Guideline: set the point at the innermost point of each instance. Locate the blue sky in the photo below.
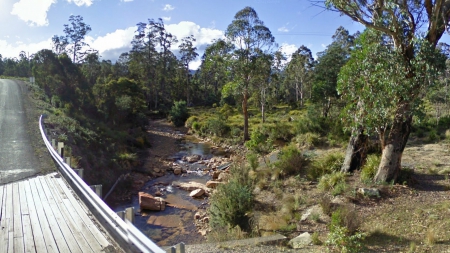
(28, 25)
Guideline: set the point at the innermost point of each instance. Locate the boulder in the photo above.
(309, 214)
(215, 174)
(224, 177)
(177, 171)
(372, 192)
(212, 184)
(301, 241)
(148, 202)
(193, 158)
(197, 193)
(190, 186)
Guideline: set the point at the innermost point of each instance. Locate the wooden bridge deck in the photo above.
(42, 214)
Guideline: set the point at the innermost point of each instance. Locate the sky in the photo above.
(29, 25)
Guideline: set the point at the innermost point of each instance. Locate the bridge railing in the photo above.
(124, 229)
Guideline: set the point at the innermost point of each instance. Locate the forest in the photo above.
(366, 93)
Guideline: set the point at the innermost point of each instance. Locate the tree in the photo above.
(251, 37)
(188, 54)
(326, 70)
(299, 72)
(414, 28)
(74, 39)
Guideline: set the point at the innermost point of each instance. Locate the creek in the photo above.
(174, 225)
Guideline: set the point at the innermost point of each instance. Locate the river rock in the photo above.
(197, 193)
(212, 184)
(193, 158)
(215, 174)
(177, 171)
(190, 186)
(148, 202)
(301, 241)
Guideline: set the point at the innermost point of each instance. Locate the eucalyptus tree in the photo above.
(188, 54)
(73, 42)
(251, 37)
(299, 72)
(414, 29)
(278, 73)
(215, 69)
(262, 80)
(326, 70)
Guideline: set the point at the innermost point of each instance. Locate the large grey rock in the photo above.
(301, 241)
(372, 192)
(197, 193)
(314, 210)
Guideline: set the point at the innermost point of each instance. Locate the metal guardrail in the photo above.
(126, 230)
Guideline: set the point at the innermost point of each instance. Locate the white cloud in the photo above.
(288, 50)
(81, 2)
(203, 36)
(166, 18)
(33, 12)
(13, 50)
(283, 29)
(113, 44)
(168, 7)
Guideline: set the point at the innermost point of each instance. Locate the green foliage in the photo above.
(326, 164)
(344, 235)
(334, 182)
(179, 113)
(259, 143)
(290, 161)
(252, 159)
(370, 168)
(232, 202)
(433, 135)
(307, 140)
(190, 121)
(217, 126)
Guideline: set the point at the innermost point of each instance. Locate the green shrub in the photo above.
(179, 113)
(281, 131)
(217, 127)
(327, 164)
(330, 181)
(252, 159)
(344, 235)
(190, 121)
(259, 143)
(196, 126)
(307, 140)
(229, 205)
(370, 168)
(433, 135)
(226, 110)
(290, 161)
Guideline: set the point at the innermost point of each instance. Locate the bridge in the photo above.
(57, 212)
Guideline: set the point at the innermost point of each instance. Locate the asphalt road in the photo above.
(17, 158)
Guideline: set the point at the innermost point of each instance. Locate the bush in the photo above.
(334, 182)
(231, 202)
(290, 161)
(190, 121)
(344, 235)
(327, 164)
(217, 127)
(370, 168)
(307, 140)
(179, 113)
(433, 135)
(259, 143)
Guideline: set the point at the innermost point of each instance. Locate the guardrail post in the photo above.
(129, 214)
(79, 172)
(180, 247)
(61, 149)
(171, 250)
(97, 189)
(67, 160)
(121, 214)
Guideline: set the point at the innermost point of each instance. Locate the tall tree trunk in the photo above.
(245, 112)
(356, 153)
(394, 145)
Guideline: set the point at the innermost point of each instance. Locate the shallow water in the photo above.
(174, 225)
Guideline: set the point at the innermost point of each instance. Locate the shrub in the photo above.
(433, 135)
(331, 181)
(217, 127)
(252, 159)
(307, 140)
(179, 113)
(259, 143)
(290, 161)
(370, 168)
(230, 204)
(344, 235)
(190, 121)
(327, 164)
